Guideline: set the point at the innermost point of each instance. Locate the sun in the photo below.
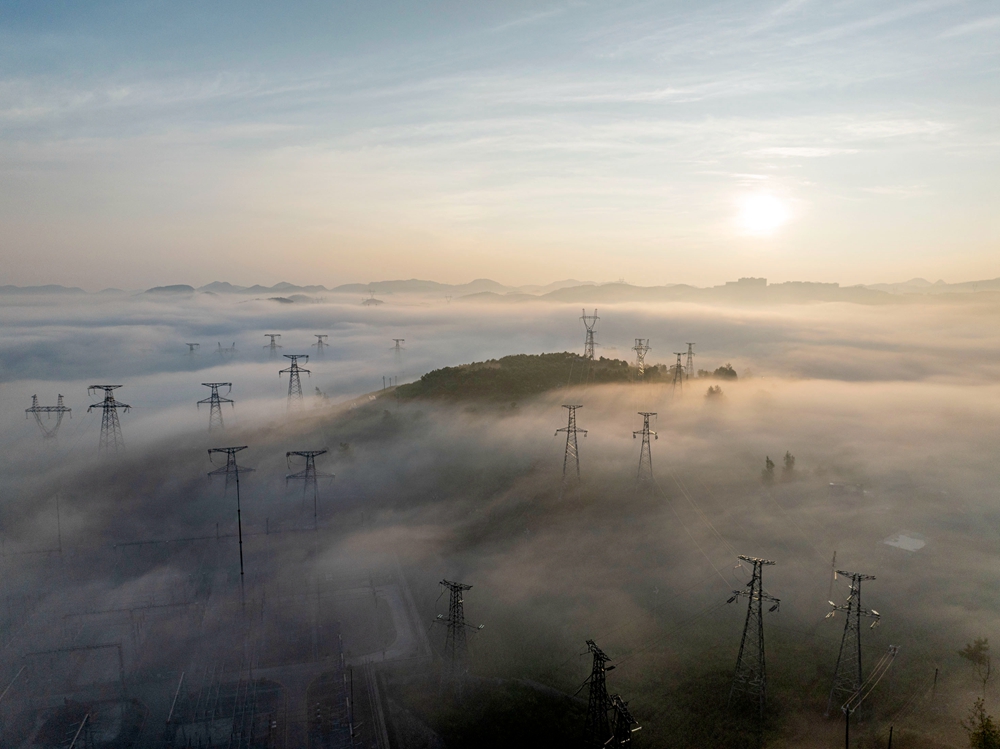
(762, 214)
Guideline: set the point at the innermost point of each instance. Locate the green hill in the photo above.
(521, 375)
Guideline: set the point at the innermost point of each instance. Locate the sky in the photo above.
(148, 143)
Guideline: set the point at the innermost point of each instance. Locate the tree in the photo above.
(725, 373)
(977, 653)
(983, 732)
(714, 391)
(767, 475)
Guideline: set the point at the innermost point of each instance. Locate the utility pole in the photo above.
(751, 674)
(192, 347)
(572, 450)
(215, 402)
(294, 381)
(232, 469)
(321, 343)
(641, 348)
(456, 647)
(273, 346)
(589, 322)
(111, 429)
(621, 723)
(689, 369)
(847, 674)
(597, 730)
(309, 476)
(678, 383)
(645, 474)
(59, 410)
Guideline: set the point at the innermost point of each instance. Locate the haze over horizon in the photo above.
(328, 143)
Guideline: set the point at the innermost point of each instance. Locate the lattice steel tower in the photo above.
(645, 455)
(621, 723)
(589, 322)
(597, 729)
(572, 455)
(689, 368)
(294, 380)
(456, 646)
(751, 675)
(847, 674)
(273, 346)
(111, 430)
(321, 344)
(215, 402)
(641, 348)
(192, 347)
(59, 410)
(678, 382)
(309, 476)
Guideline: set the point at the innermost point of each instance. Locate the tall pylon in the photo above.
(215, 402)
(309, 476)
(847, 674)
(621, 723)
(294, 380)
(589, 322)
(192, 347)
(231, 470)
(689, 368)
(597, 729)
(111, 430)
(678, 382)
(751, 673)
(48, 432)
(398, 352)
(641, 348)
(456, 646)
(571, 457)
(273, 346)
(321, 344)
(227, 352)
(645, 474)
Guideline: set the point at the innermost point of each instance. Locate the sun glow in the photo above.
(762, 215)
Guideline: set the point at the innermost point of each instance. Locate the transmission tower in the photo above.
(273, 346)
(572, 455)
(751, 675)
(294, 380)
(215, 402)
(228, 351)
(678, 374)
(231, 470)
(641, 348)
(847, 674)
(589, 322)
(111, 430)
(597, 729)
(689, 369)
(309, 476)
(645, 455)
(621, 723)
(192, 347)
(59, 410)
(321, 344)
(456, 647)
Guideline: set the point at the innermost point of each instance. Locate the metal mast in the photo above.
(597, 730)
(572, 449)
(59, 410)
(321, 343)
(192, 347)
(589, 322)
(847, 674)
(645, 455)
(456, 647)
(751, 675)
(232, 469)
(111, 430)
(294, 381)
(678, 374)
(689, 369)
(215, 402)
(622, 722)
(641, 348)
(273, 346)
(309, 476)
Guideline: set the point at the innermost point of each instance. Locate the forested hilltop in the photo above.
(521, 375)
